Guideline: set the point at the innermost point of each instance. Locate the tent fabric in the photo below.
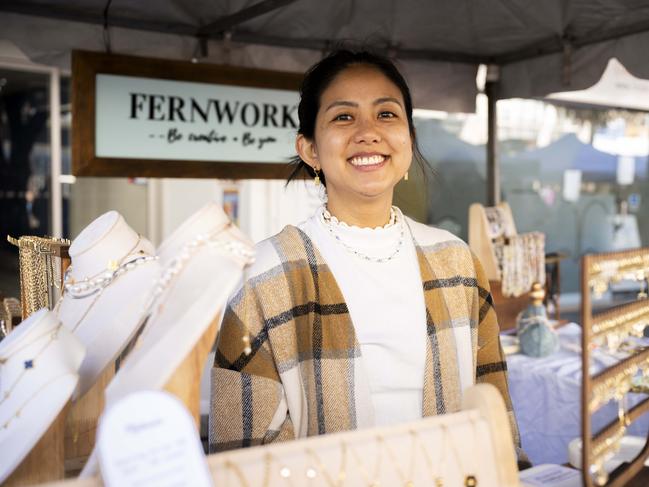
(541, 47)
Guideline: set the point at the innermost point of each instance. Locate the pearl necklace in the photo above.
(189, 249)
(396, 216)
(88, 287)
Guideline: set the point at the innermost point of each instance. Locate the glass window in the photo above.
(24, 166)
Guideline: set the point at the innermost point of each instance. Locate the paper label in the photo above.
(551, 476)
(149, 439)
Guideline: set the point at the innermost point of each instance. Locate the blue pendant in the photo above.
(29, 364)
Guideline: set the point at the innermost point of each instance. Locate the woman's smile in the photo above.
(368, 161)
(362, 139)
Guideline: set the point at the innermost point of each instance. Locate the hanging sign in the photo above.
(156, 118)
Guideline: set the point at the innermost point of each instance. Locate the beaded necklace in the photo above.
(331, 222)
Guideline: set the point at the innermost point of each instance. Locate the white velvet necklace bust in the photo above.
(106, 320)
(39, 363)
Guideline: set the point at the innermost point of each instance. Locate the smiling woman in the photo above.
(358, 316)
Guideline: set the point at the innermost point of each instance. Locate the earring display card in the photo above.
(149, 439)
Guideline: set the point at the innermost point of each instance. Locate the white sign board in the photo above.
(149, 439)
(156, 119)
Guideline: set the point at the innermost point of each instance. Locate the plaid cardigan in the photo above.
(304, 376)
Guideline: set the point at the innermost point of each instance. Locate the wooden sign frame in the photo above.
(86, 65)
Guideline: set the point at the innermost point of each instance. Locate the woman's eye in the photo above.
(344, 117)
(386, 114)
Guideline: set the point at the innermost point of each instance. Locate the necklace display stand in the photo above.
(105, 291)
(188, 391)
(39, 364)
(202, 262)
(81, 423)
(473, 447)
(46, 460)
(487, 227)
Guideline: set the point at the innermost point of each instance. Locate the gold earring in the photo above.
(316, 179)
(405, 176)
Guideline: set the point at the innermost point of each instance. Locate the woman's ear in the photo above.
(306, 149)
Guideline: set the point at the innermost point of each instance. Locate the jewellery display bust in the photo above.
(106, 287)
(201, 263)
(39, 363)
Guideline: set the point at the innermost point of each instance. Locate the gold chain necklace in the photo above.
(29, 363)
(405, 480)
(284, 471)
(470, 479)
(230, 465)
(372, 481)
(17, 413)
(342, 473)
(437, 479)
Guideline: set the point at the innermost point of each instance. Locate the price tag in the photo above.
(149, 439)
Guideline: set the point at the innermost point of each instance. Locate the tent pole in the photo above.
(493, 173)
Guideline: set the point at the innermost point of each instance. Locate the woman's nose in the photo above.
(367, 131)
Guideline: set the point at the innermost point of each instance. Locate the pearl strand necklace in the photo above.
(178, 263)
(396, 216)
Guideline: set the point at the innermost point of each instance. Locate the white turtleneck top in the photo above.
(386, 306)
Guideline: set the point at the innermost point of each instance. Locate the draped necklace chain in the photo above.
(396, 218)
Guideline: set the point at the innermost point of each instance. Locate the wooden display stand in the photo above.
(185, 381)
(44, 463)
(612, 383)
(81, 423)
(482, 243)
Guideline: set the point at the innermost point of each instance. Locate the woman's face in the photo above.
(362, 140)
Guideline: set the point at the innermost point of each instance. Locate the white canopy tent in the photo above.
(532, 48)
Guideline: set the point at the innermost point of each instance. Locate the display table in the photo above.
(546, 395)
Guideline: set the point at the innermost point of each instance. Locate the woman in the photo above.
(359, 316)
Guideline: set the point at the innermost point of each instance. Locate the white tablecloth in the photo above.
(546, 394)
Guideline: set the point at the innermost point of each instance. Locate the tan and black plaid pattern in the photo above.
(298, 320)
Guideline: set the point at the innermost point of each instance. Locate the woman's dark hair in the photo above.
(319, 77)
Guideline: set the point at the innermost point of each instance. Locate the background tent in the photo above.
(540, 47)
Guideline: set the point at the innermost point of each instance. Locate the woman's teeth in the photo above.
(367, 161)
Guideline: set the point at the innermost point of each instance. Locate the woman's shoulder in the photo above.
(451, 255)
(430, 236)
(268, 255)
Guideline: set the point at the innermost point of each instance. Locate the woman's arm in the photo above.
(491, 366)
(247, 405)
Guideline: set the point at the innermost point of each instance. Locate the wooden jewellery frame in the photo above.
(611, 327)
